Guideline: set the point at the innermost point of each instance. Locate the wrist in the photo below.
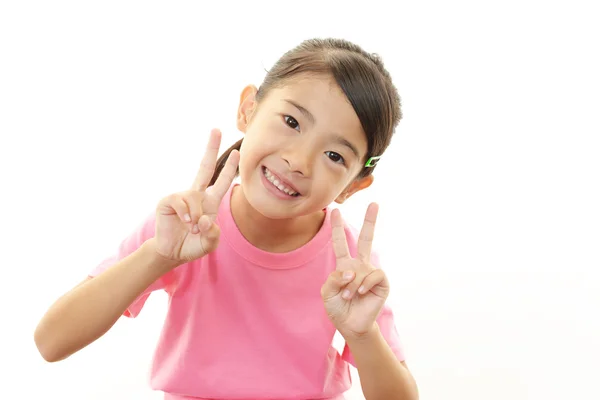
(372, 333)
(155, 260)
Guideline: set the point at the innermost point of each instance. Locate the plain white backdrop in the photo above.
(489, 225)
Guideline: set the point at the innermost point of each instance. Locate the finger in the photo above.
(365, 238)
(338, 236)
(227, 175)
(193, 199)
(176, 203)
(335, 283)
(204, 224)
(209, 161)
(210, 238)
(352, 288)
(375, 282)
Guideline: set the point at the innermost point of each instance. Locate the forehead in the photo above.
(324, 99)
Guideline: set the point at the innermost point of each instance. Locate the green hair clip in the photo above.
(371, 162)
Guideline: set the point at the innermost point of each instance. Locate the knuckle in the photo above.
(172, 198)
(352, 286)
(193, 200)
(180, 199)
(187, 195)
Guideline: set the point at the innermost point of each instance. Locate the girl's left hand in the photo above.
(355, 293)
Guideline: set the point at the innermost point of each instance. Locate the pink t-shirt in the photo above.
(243, 323)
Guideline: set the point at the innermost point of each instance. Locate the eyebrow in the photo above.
(303, 110)
(339, 139)
(344, 142)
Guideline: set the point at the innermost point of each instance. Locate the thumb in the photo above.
(210, 235)
(204, 224)
(336, 281)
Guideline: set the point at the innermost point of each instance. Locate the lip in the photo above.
(280, 179)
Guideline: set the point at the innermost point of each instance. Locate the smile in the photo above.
(279, 185)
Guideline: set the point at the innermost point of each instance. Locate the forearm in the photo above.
(89, 310)
(382, 375)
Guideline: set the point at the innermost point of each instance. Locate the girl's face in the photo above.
(303, 147)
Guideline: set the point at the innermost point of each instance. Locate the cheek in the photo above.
(247, 161)
(267, 135)
(332, 177)
(252, 155)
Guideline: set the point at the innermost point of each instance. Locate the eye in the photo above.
(291, 122)
(335, 157)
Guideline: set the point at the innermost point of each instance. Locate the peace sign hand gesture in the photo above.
(185, 221)
(355, 293)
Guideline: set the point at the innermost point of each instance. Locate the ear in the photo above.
(356, 186)
(246, 107)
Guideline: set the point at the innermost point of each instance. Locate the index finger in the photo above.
(227, 175)
(338, 235)
(365, 238)
(209, 161)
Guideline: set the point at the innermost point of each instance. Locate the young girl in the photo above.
(261, 274)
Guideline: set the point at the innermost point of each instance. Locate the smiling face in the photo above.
(303, 148)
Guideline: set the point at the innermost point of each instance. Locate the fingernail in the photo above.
(187, 218)
(361, 289)
(348, 275)
(346, 294)
(195, 229)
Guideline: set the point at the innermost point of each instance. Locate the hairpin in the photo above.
(371, 162)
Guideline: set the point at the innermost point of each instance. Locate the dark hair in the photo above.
(360, 75)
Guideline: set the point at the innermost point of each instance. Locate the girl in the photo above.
(261, 274)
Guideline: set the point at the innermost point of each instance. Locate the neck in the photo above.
(273, 235)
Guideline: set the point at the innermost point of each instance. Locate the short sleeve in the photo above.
(131, 243)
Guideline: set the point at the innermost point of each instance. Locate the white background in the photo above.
(489, 194)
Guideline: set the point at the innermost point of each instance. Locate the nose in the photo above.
(299, 159)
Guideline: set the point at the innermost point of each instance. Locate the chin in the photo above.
(270, 210)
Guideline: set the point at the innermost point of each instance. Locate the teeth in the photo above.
(278, 184)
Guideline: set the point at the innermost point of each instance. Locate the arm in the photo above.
(89, 310)
(382, 375)
(181, 230)
(354, 296)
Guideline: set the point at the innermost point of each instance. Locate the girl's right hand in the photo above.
(185, 221)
